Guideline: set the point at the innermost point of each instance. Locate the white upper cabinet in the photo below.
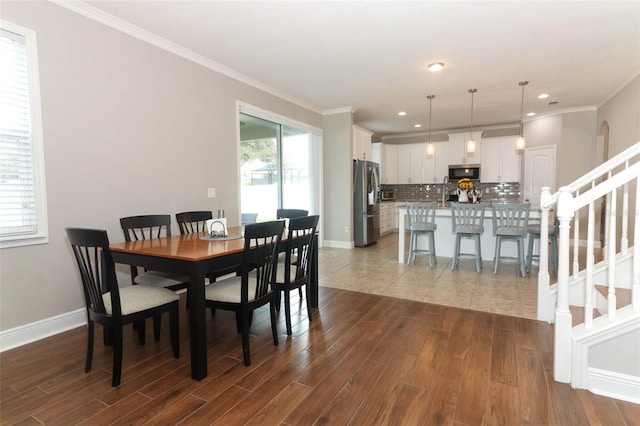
(410, 157)
(500, 160)
(435, 167)
(390, 164)
(361, 140)
(458, 148)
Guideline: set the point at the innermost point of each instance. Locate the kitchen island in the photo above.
(445, 239)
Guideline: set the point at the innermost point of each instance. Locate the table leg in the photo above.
(313, 289)
(198, 324)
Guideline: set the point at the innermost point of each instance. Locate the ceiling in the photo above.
(372, 56)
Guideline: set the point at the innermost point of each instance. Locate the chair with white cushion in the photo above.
(144, 227)
(113, 307)
(295, 270)
(253, 288)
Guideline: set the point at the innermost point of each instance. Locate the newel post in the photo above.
(562, 353)
(545, 302)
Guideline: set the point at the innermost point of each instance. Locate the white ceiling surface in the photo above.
(372, 56)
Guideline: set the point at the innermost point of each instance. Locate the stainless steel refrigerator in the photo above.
(366, 202)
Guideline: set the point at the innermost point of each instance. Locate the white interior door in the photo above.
(539, 171)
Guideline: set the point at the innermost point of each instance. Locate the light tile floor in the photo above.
(375, 269)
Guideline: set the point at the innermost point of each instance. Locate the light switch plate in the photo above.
(211, 192)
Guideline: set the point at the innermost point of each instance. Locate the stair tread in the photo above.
(577, 314)
(623, 295)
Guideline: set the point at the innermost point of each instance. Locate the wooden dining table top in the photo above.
(190, 247)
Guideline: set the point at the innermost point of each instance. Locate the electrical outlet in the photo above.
(346, 229)
(211, 193)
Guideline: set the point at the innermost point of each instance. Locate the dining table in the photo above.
(197, 255)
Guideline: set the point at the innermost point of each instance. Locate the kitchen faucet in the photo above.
(445, 188)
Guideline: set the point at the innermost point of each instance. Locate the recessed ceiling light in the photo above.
(543, 96)
(401, 113)
(531, 114)
(417, 125)
(436, 66)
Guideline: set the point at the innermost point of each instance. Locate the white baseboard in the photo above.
(28, 333)
(614, 385)
(338, 244)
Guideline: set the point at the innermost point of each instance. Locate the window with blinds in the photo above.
(22, 199)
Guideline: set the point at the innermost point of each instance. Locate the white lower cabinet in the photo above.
(387, 217)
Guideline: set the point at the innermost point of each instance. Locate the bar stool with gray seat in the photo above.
(510, 221)
(467, 222)
(533, 232)
(422, 221)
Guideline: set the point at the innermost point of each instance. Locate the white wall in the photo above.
(128, 129)
(338, 178)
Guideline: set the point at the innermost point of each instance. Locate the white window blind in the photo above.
(22, 207)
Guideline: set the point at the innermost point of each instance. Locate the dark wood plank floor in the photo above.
(364, 360)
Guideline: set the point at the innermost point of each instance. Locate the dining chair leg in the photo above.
(157, 321)
(141, 327)
(246, 354)
(117, 355)
(174, 329)
(274, 329)
(287, 311)
(90, 335)
(306, 289)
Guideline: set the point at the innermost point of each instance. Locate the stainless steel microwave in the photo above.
(461, 171)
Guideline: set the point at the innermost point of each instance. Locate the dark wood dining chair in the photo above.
(294, 272)
(193, 222)
(144, 227)
(253, 288)
(114, 307)
(291, 213)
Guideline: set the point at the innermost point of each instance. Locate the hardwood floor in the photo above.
(365, 359)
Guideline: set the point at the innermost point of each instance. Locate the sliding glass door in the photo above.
(276, 168)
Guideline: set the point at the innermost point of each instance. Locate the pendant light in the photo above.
(471, 144)
(520, 143)
(430, 148)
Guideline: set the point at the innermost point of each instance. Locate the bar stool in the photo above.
(422, 218)
(510, 221)
(467, 222)
(533, 232)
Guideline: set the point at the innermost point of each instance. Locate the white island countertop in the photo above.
(444, 237)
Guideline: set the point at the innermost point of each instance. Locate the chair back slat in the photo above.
(466, 216)
(510, 218)
(259, 257)
(421, 215)
(97, 271)
(300, 242)
(193, 222)
(147, 226)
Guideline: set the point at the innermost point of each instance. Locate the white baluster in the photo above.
(611, 278)
(624, 239)
(588, 286)
(576, 241)
(635, 290)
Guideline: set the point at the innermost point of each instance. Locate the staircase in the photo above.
(595, 305)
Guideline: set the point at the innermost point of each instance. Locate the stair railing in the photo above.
(576, 203)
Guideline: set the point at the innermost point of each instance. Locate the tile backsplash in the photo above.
(508, 191)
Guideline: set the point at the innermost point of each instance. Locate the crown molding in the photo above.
(338, 111)
(95, 14)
